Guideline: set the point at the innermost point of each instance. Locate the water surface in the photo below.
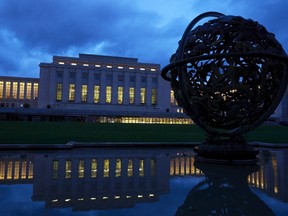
(136, 181)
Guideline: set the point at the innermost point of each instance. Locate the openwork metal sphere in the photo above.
(229, 74)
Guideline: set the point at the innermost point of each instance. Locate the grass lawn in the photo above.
(62, 132)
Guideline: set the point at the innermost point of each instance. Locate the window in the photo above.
(108, 94)
(130, 168)
(118, 168)
(1, 89)
(172, 98)
(143, 95)
(7, 90)
(154, 96)
(81, 169)
(84, 93)
(68, 168)
(21, 90)
(120, 95)
(141, 167)
(16, 169)
(71, 93)
(23, 170)
(35, 90)
(28, 90)
(14, 90)
(106, 168)
(58, 91)
(96, 94)
(93, 168)
(55, 168)
(131, 95)
(2, 170)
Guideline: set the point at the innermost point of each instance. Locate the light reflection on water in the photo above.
(139, 182)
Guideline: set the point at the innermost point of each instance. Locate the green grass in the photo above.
(63, 132)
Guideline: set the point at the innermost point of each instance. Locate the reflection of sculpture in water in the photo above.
(229, 75)
(224, 192)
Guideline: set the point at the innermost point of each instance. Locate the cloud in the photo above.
(32, 31)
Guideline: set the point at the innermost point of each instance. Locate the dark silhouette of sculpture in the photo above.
(225, 191)
(229, 75)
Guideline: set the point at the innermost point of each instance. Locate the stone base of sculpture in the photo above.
(226, 151)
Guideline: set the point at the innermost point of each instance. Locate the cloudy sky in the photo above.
(32, 31)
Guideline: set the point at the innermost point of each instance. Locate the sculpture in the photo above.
(229, 75)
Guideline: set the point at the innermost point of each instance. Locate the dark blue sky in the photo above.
(32, 31)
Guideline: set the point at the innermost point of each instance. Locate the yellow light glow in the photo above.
(142, 69)
(120, 67)
(55, 200)
(73, 63)
(93, 198)
(151, 195)
(61, 63)
(80, 199)
(117, 197)
(131, 68)
(109, 66)
(67, 200)
(140, 196)
(153, 69)
(128, 197)
(97, 65)
(85, 65)
(105, 198)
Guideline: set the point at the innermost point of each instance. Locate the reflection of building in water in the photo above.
(16, 169)
(272, 176)
(182, 165)
(103, 178)
(100, 180)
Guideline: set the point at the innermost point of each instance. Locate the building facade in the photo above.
(95, 88)
(108, 89)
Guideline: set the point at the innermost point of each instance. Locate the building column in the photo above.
(78, 86)
(137, 88)
(102, 87)
(115, 88)
(65, 86)
(126, 88)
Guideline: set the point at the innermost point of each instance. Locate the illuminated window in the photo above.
(120, 67)
(141, 167)
(84, 93)
(106, 168)
(23, 170)
(85, 65)
(1, 89)
(9, 170)
(108, 94)
(73, 63)
(30, 170)
(21, 90)
(130, 168)
(97, 65)
(35, 90)
(2, 170)
(109, 66)
(153, 69)
(120, 95)
(118, 168)
(59, 92)
(71, 92)
(14, 90)
(172, 98)
(131, 95)
(275, 174)
(93, 168)
(28, 90)
(55, 168)
(61, 63)
(68, 168)
(81, 169)
(96, 94)
(172, 169)
(142, 69)
(7, 90)
(143, 95)
(152, 167)
(131, 68)
(154, 96)
(16, 169)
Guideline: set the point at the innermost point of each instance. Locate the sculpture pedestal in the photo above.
(228, 151)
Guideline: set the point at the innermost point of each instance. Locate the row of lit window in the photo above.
(106, 168)
(147, 120)
(18, 90)
(139, 196)
(183, 166)
(257, 179)
(16, 170)
(108, 94)
(107, 66)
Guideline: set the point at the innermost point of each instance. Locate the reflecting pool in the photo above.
(110, 181)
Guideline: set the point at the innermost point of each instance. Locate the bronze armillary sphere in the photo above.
(228, 74)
